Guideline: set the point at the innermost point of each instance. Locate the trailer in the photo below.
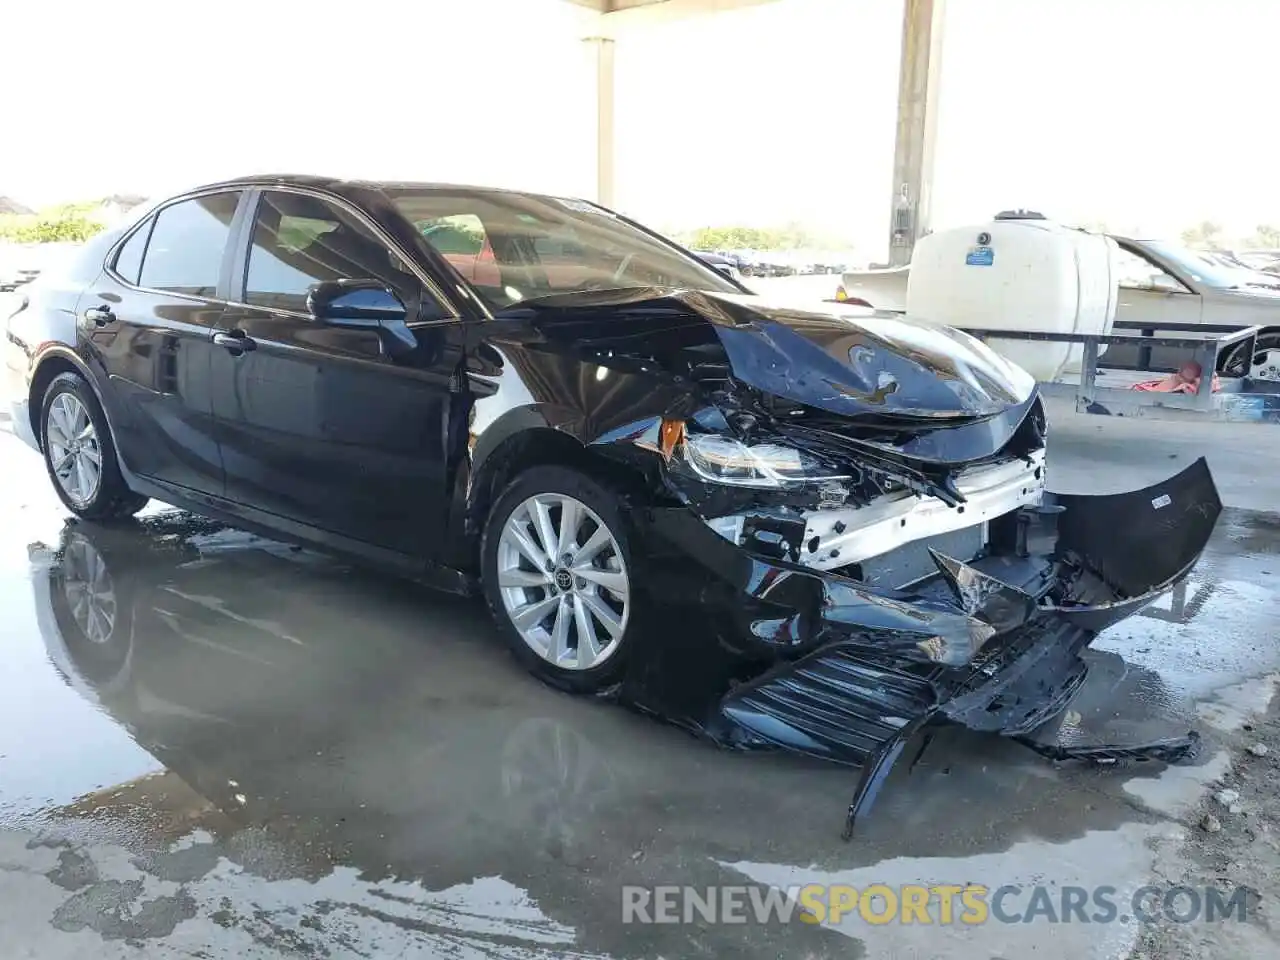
(994, 280)
(1108, 389)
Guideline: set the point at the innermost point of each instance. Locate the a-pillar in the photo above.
(918, 88)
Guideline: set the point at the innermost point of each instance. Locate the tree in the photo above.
(1266, 237)
(1205, 235)
(790, 236)
(67, 223)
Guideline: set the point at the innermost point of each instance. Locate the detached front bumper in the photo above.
(993, 643)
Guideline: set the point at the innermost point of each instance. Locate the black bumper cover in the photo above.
(993, 644)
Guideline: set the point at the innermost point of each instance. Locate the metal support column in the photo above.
(918, 88)
(602, 52)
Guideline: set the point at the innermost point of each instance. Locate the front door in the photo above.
(334, 428)
(148, 320)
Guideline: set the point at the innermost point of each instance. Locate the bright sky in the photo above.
(1140, 113)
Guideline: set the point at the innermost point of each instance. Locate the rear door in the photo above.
(328, 426)
(147, 320)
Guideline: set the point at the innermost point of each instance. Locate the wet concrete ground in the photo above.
(245, 750)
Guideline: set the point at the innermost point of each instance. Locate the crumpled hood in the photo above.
(843, 360)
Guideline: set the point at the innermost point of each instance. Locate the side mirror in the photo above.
(354, 303)
(362, 305)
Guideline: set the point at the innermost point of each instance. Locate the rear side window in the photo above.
(187, 243)
(129, 257)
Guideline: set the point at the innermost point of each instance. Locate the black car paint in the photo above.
(403, 451)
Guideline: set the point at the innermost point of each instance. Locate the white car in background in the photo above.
(1160, 282)
(1163, 282)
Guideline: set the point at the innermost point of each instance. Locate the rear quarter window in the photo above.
(128, 259)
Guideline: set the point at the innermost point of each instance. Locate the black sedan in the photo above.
(538, 399)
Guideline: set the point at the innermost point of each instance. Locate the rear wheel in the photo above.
(557, 575)
(79, 453)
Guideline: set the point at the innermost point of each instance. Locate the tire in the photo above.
(109, 498)
(92, 609)
(569, 592)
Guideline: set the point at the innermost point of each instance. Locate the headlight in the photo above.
(721, 459)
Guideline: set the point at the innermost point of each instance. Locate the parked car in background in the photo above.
(769, 263)
(801, 262)
(1160, 282)
(827, 262)
(723, 263)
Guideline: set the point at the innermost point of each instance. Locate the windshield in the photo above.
(1202, 267)
(512, 247)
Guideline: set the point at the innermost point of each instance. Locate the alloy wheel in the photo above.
(563, 581)
(75, 452)
(89, 591)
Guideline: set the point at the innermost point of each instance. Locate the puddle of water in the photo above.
(350, 679)
(234, 912)
(1214, 630)
(1117, 858)
(56, 744)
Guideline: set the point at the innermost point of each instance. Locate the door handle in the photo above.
(237, 341)
(99, 316)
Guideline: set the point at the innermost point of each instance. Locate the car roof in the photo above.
(344, 187)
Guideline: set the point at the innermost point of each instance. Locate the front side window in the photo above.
(515, 247)
(1138, 273)
(188, 240)
(299, 240)
(463, 242)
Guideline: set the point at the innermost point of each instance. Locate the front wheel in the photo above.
(557, 574)
(79, 453)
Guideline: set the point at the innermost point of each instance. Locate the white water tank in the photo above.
(1018, 272)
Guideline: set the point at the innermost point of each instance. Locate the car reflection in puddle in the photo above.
(265, 675)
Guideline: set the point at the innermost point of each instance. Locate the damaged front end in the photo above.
(847, 530)
(880, 594)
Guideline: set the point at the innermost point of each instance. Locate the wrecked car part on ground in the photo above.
(991, 640)
(776, 525)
